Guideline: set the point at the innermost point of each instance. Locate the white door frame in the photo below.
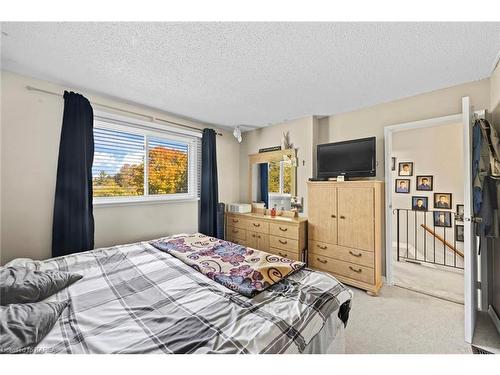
(388, 131)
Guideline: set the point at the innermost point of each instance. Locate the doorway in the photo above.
(420, 231)
(471, 274)
(427, 180)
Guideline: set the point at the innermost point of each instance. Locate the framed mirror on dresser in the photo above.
(272, 179)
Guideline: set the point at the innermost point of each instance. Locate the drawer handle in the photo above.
(282, 254)
(235, 231)
(256, 224)
(322, 247)
(284, 242)
(253, 235)
(355, 255)
(235, 220)
(357, 271)
(334, 216)
(258, 236)
(283, 229)
(342, 217)
(322, 261)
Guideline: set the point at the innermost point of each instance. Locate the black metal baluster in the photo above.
(415, 242)
(434, 236)
(397, 220)
(454, 243)
(425, 236)
(444, 245)
(406, 234)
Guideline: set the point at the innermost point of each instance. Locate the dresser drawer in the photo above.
(363, 258)
(335, 266)
(321, 248)
(259, 241)
(237, 222)
(283, 243)
(237, 233)
(285, 254)
(284, 230)
(257, 226)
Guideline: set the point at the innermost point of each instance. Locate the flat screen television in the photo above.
(354, 158)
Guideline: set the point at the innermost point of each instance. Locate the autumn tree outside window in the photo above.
(140, 163)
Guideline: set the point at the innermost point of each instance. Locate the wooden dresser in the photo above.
(282, 236)
(346, 231)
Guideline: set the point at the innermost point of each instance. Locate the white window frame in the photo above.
(148, 129)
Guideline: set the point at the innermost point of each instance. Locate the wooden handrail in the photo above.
(453, 248)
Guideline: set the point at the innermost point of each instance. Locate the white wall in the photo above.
(434, 151)
(30, 131)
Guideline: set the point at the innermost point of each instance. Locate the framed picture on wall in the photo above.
(405, 168)
(442, 200)
(424, 183)
(419, 203)
(393, 163)
(459, 233)
(442, 219)
(459, 215)
(402, 185)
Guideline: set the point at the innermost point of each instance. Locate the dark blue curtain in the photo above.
(209, 184)
(73, 223)
(264, 183)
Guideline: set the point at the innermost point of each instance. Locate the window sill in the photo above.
(114, 202)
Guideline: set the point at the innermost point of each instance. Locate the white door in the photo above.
(470, 252)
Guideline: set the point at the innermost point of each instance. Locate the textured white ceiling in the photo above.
(253, 73)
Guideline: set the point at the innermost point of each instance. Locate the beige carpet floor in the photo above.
(435, 281)
(438, 281)
(403, 321)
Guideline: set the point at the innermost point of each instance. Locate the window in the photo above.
(137, 161)
(280, 177)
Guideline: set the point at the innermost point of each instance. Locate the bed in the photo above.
(135, 298)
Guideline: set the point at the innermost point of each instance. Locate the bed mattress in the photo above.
(136, 299)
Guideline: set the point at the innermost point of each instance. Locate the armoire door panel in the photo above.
(322, 216)
(356, 217)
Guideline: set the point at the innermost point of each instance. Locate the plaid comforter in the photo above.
(137, 299)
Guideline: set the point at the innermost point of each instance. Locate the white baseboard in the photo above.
(494, 318)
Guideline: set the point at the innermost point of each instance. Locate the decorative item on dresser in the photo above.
(284, 236)
(346, 231)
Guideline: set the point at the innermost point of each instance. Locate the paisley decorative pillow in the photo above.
(243, 269)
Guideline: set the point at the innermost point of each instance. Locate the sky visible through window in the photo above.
(118, 168)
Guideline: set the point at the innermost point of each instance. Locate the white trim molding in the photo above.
(132, 201)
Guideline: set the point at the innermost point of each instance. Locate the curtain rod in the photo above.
(152, 118)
